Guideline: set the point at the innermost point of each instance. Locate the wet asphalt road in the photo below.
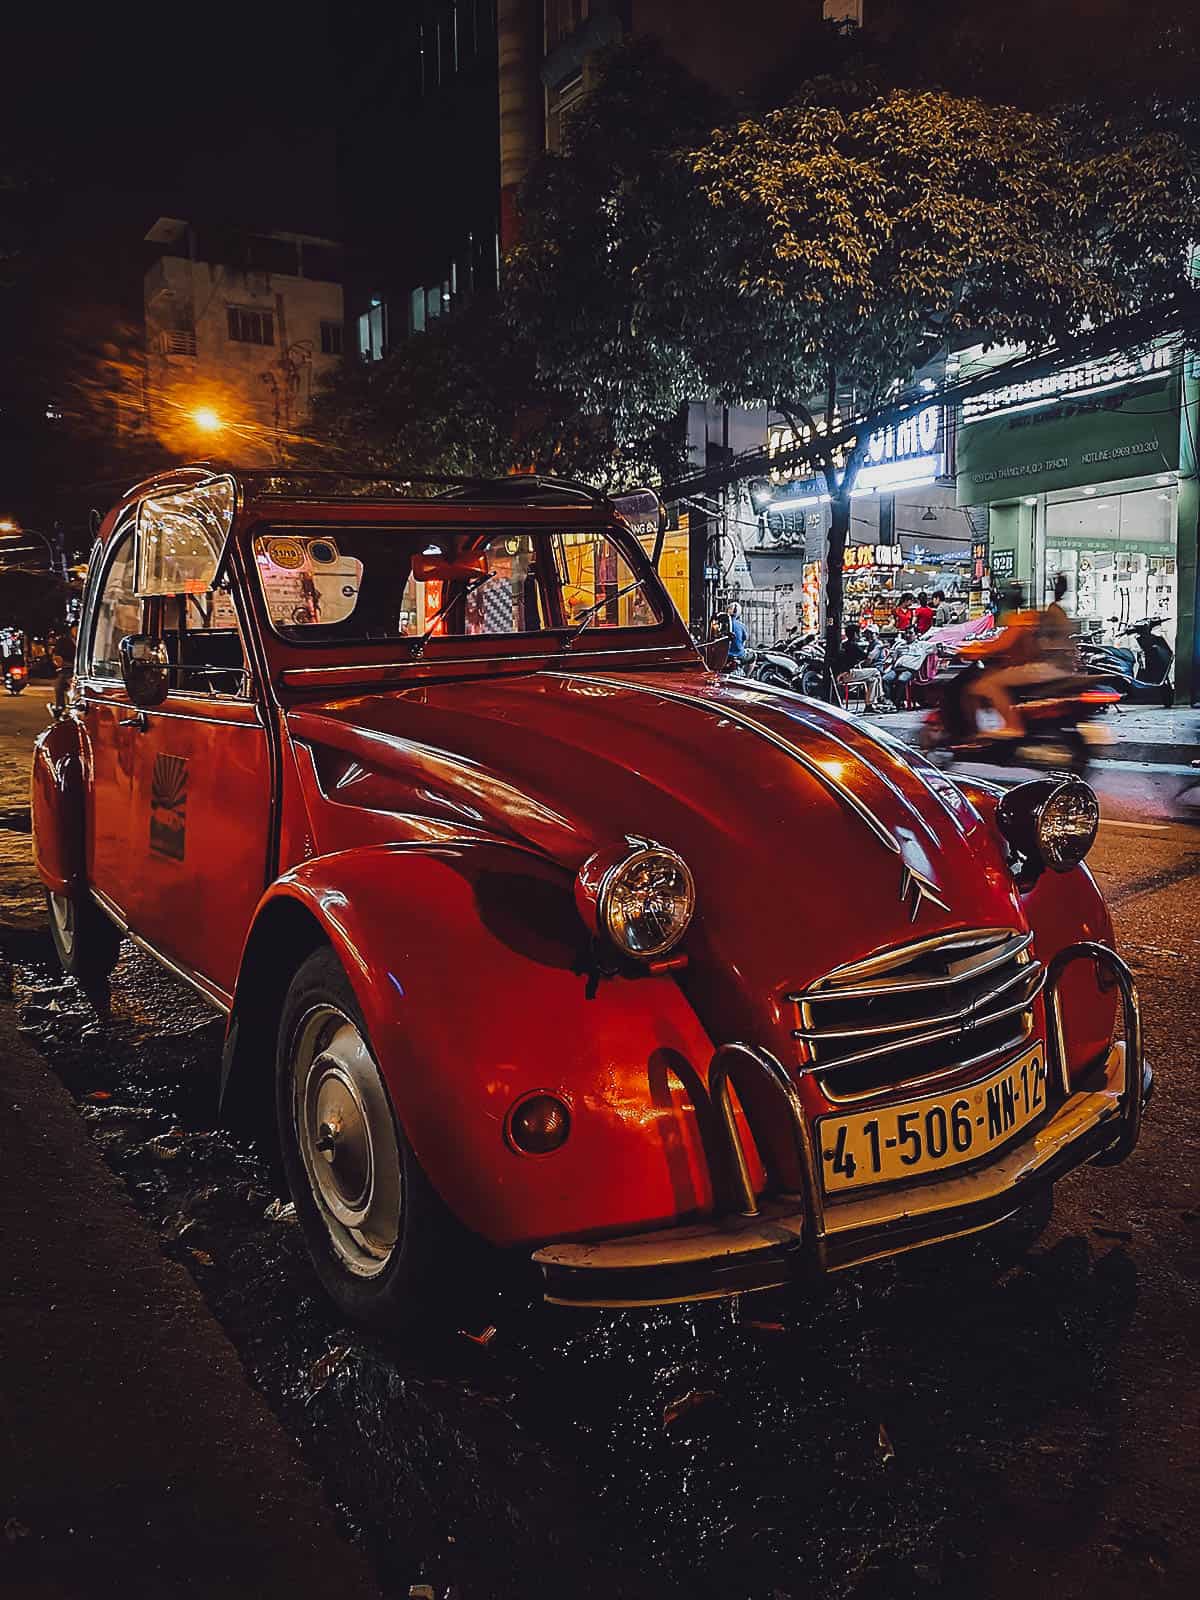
(1017, 1427)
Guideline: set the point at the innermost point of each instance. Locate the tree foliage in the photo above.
(556, 375)
(465, 397)
(844, 245)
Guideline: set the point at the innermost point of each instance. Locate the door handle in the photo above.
(139, 720)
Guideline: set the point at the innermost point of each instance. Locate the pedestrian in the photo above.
(62, 650)
(908, 657)
(1057, 636)
(943, 611)
(856, 665)
(738, 637)
(923, 613)
(903, 614)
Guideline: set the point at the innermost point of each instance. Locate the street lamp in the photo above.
(13, 530)
(207, 420)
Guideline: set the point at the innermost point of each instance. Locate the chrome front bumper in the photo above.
(773, 1240)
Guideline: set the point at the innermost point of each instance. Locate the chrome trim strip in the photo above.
(536, 663)
(976, 1008)
(995, 955)
(721, 709)
(892, 1046)
(924, 1080)
(210, 992)
(183, 716)
(753, 685)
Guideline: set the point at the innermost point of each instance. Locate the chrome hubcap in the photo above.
(62, 911)
(347, 1139)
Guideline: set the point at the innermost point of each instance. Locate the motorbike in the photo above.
(797, 664)
(16, 676)
(1142, 675)
(1058, 714)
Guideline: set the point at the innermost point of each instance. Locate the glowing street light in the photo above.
(207, 420)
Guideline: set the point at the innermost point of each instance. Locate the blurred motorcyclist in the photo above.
(1013, 656)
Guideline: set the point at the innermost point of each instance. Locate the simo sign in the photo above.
(1093, 378)
(912, 452)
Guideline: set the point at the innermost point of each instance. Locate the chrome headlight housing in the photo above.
(1052, 821)
(640, 896)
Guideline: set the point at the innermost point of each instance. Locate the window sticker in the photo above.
(308, 582)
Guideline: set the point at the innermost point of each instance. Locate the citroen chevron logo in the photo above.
(915, 888)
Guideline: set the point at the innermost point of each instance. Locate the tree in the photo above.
(466, 397)
(840, 245)
(593, 221)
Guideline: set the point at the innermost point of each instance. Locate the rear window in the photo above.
(363, 584)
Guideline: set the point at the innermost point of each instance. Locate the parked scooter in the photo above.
(16, 676)
(1143, 677)
(797, 664)
(1058, 716)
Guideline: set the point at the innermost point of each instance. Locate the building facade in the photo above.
(418, 164)
(240, 328)
(1091, 473)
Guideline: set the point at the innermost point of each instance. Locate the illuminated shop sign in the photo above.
(1092, 378)
(901, 457)
(872, 555)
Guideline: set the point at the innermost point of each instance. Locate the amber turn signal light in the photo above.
(538, 1125)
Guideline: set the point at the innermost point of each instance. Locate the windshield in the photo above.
(351, 585)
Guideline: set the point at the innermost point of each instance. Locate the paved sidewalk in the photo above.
(1140, 733)
(135, 1457)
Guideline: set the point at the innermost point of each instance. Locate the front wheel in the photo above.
(378, 1235)
(86, 942)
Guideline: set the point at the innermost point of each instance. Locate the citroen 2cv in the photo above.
(532, 930)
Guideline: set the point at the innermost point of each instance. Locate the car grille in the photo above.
(909, 1016)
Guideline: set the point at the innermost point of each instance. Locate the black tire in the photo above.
(87, 944)
(812, 682)
(411, 1284)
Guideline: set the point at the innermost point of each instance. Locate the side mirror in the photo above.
(716, 652)
(146, 669)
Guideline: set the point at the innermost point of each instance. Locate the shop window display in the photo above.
(1117, 551)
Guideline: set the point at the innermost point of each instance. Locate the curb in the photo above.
(139, 1458)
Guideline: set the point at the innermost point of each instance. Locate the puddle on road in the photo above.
(874, 1443)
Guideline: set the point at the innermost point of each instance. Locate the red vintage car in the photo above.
(533, 930)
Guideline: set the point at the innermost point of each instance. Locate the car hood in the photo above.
(813, 838)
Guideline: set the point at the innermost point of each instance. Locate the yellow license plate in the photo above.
(934, 1133)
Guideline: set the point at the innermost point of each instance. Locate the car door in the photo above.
(200, 817)
(109, 723)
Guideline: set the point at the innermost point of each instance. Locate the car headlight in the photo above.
(1052, 820)
(640, 896)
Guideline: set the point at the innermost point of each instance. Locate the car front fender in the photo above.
(56, 806)
(1065, 908)
(471, 967)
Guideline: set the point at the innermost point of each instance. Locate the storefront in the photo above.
(1080, 473)
(908, 535)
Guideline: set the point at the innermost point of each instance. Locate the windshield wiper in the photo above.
(470, 588)
(609, 599)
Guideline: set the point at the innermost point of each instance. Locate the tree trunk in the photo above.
(839, 529)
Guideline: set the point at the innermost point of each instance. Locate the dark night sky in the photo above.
(220, 109)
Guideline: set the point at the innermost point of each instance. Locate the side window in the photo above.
(118, 612)
(204, 642)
